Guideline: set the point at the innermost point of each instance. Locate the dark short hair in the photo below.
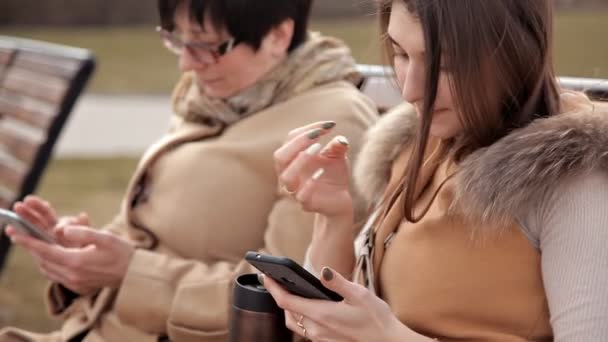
(249, 21)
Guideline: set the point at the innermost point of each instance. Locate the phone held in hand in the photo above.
(293, 277)
(23, 226)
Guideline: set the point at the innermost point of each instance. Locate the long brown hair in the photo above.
(499, 55)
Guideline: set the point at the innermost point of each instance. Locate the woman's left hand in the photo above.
(362, 316)
(98, 259)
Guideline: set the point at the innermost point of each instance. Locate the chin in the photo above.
(444, 131)
(217, 92)
(445, 125)
(440, 133)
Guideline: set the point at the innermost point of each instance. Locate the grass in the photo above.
(581, 48)
(131, 60)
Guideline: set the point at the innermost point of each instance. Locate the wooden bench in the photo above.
(39, 84)
(380, 85)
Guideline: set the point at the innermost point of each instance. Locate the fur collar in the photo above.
(505, 179)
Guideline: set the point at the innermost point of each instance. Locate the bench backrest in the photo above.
(380, 85)
(39, 84)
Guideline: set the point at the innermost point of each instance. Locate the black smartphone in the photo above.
(22, 225)
(293, 277)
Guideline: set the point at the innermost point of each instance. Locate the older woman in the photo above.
(207, 191)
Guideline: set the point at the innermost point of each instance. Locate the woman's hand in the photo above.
(96, 259)
(316, 176)
(40, 213)
(362, 316)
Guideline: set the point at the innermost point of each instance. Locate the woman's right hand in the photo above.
(316, 176)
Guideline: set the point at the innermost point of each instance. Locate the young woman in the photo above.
(488, 191)
(207, 192)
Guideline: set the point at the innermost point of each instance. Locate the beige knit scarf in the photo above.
(318, 61)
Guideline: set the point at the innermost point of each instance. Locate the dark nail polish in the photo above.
(329, 125)
(327, 273)
(314, 134)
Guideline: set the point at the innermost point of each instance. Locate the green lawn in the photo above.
(132, 59)
(581, 48)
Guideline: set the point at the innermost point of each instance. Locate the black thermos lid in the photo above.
(250, 295)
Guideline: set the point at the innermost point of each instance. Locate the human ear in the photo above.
(278, 40)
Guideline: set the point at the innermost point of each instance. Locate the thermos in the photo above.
(255, 316)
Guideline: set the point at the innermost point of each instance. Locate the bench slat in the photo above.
(18, 145)
(12, 175)
(5, 56)
(6, 197)
(13, 106)
(45, 64)
(43, 87)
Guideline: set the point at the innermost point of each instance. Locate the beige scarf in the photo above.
(318, 61)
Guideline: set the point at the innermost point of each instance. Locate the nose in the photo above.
(188, 62)
(413, 84)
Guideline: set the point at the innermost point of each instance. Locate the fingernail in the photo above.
(261, 278)
(314, 134)
(313, 149)
(329, 125)
(342, 140)
(318, 174)
(327, 273)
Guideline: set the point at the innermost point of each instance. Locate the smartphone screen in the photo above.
(293, 277)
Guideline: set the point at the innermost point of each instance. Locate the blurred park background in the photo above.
(127, 105)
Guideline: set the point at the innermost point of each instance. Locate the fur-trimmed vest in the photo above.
(466, 271)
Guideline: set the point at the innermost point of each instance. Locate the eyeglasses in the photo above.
(203, 52)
